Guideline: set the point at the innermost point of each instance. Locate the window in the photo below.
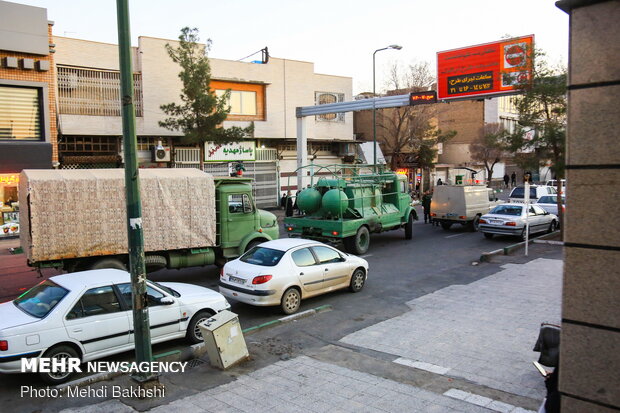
(241, 102)
(96, 301)
(513, 210)
(303, 257)
(323, 98)
(327, 255)
(40, 299)
(20, 113)
(538, 210)
(153, 296)
(262, 256)
(239, 203)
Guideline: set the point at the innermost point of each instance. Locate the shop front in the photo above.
(9, 205)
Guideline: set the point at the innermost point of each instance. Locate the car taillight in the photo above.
(4, 345)
(511, 224)
(289, 228)
(433, 214)
(261, 279)
(222, 272)
(462, 217)
(482, 221)
(334, 232)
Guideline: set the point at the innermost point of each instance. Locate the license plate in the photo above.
(236, 279)
(495, 222)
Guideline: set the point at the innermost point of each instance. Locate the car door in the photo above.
(307, 269)
(335, 270)
(164, 319)
(98, 321)
(542, 218)
(240, 217)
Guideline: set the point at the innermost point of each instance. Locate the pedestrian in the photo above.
(439, 182)
(283, 201)
(506, 180)
(426, 205)
(513, 179)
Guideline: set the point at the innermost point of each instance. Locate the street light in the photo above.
(374, 109)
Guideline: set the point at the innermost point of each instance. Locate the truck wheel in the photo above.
(446, 225)
(409, 228)
(58, 352)
(359, 243)
(108, 263)
(473, 226)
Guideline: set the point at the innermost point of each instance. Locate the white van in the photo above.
(554, 183)
(517, 194)
(461, 204)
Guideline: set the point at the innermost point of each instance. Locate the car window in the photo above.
(538, 210)
(514, 210)
(96, 301)
(153, 296)
(546, 199)
(303, 257)
(552, 190)
(262, 256)
(532, 211)
(327, 255)
(519, 192)
(41, 299)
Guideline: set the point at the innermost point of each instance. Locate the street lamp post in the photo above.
(374, 109)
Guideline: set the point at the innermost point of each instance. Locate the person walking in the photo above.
(506, 180)
(513, 179)
(426, 205)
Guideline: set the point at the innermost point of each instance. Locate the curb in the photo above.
(192, 352)
(486, 256)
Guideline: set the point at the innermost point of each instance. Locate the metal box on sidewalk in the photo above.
(224, 339)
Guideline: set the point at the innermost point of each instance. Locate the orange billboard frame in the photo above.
(495, 68)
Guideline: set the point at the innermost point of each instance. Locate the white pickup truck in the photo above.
(461, 204)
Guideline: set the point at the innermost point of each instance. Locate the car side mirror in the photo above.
(166, 300)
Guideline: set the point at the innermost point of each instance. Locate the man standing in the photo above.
(426, 204)
(506, 180)
(513, 179)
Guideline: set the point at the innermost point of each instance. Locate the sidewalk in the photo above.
(465, 348)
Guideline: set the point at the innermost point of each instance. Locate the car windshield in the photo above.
(514, 210)
(519, 192)
(262, 256)
(169, 290)
(40, 299)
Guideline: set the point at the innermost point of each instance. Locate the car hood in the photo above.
(189, 290)
(11, 316)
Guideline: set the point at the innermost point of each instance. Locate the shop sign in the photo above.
(422, 98)
(402, 171)
(225, 152)
(496, 68)
(9, 179)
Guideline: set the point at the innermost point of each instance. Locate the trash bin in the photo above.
(224, 339)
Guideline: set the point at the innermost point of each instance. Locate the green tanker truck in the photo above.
(349, 202)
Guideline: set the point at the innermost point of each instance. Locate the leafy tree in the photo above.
(490, 147)
(200, 113)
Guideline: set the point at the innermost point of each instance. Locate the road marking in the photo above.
(483, 401)
(433, 368)
(455, 235)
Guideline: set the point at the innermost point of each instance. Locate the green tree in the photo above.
(542, 110)
(200, 113)
(490, 146)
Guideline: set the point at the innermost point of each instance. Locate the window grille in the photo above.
(322, 98)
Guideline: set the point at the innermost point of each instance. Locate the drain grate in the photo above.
(194, 363)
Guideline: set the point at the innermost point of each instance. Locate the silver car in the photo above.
(550, 203)
(509, 219)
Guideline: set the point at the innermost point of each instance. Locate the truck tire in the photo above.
(155, 262)
(359, 243)
(114, 263)
(446, 225)
(473, 225)
(409, 228)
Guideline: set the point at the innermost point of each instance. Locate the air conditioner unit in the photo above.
(160, 153)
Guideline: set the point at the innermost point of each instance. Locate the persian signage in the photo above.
(225, 152)
(421, 98)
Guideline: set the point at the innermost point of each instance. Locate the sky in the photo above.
(338, 36)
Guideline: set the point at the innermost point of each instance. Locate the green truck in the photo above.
(76, 220)
(349, 202)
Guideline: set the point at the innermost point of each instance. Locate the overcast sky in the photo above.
(339, 36)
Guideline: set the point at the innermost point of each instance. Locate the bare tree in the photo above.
(490, 147)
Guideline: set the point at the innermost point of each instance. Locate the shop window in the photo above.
(323, 98)
(241, 102)
(20, 113)
(9, 205)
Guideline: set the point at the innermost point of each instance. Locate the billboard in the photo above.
(487, 69)
(226, 152)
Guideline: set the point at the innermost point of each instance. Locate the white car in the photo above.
(517, 195)
(510, 219)
(285, 271)
(88, 315)
(550, 203)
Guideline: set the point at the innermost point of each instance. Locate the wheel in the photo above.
(58, 352)
(358, 279)
(475, 224)
(523, 234)
(359, 243)
(291, 301)
(155, 262)
(552, 227)
(109, 263)
(252, 244)
(487, 235)
(409, 228)
(194, 335)
(446, 225)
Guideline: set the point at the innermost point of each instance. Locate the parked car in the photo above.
(554, 183)
(88, 315)
(536, 191)
(550, 203)
(285, 271)
(509, 219)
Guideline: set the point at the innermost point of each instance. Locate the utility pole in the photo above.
(142, 333)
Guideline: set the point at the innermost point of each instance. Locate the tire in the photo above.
(359, 243)
(155, 262)
(487, 235)
(523, 235)
(114, 263)
(58, 352)
(252, 244)
(552, 227)
(446, 225)
(475, 224)
(358, 279)
(193, 334)
(409, 228)
(291, 301)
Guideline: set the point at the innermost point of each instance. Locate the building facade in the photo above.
(27, 102)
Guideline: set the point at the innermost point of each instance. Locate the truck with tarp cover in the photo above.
(349, 202)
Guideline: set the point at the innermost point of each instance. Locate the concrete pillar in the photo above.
(302, 151)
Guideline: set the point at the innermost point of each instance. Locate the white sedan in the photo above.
(87, 315)
(284, 271)
(510, 219)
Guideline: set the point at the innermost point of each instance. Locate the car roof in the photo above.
(284, 244)
(78, 280)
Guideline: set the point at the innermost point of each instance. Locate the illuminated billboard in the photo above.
(487, 69)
